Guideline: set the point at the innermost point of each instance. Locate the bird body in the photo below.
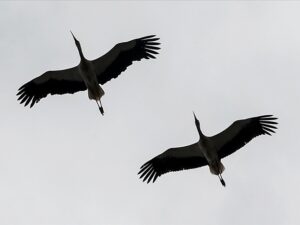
(89, 74)
(208, 150)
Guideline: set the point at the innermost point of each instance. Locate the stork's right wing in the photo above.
(51, 82)
(174, 159)
(114, 62)
(241, 132)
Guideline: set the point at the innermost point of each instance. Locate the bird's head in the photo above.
(76, 41)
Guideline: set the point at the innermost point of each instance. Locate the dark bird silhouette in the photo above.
(208, 150)
(89, 74)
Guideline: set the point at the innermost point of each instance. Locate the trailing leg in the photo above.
(100, 107)
(221, 179)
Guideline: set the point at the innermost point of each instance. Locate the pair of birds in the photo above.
(90, 73)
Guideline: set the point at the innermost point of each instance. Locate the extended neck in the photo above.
(201, 135)
(80, 52)
(78, 46)
(197, 123)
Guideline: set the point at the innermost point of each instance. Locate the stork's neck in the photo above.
(80, 52)
(201, 135)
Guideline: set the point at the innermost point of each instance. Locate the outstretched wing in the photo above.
(114, 62)
(51, 82)
(241, 132)
(174, 159)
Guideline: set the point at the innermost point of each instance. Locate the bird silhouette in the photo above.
(208, 150)
(89, 73)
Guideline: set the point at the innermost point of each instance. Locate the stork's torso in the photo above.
(210, 152)
(208, 149)
(89, 77)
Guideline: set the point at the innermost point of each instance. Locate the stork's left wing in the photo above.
(60, 82)
(114, 62)
(241, 132)
(174, 159)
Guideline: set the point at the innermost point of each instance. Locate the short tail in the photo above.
(216, 167)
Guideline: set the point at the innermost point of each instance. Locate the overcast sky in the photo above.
(62, 163)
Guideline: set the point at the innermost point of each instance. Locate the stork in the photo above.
(208, 150)
(89, 73)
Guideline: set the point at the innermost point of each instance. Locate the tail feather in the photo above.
(216, 167)
(221, 167)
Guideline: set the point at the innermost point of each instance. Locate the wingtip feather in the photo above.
(149, 36)
(156, 176)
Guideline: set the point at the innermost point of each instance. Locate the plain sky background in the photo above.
(62, 163)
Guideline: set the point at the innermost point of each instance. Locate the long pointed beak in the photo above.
(73, 36)
(195, 116)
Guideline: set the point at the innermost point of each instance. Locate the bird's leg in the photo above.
(221, 179)
(100, 107)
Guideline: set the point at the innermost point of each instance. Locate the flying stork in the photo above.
(89, 73)
(208, 150)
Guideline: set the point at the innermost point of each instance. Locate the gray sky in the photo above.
(62, 163)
